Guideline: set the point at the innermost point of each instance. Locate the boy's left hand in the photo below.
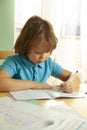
(71, 85)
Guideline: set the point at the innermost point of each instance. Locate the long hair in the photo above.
(34, 28)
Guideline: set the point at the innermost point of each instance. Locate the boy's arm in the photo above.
(64, 76)
(9, 84)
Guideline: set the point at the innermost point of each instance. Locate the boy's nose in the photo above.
(42, 56)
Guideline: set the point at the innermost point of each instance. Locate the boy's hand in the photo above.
(72, 84)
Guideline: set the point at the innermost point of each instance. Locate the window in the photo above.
(23, 10)
(71, 24)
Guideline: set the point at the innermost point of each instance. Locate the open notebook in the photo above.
(45, 94)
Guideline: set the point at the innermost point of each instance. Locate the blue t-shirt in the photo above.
(20, 68)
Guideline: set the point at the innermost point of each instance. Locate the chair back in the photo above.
(4, 54)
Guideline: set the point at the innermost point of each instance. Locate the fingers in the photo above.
(71, 85)
(67, 88)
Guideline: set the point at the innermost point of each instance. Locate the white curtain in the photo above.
(84, 39)
(69, 19)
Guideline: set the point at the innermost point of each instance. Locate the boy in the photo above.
(31, 66)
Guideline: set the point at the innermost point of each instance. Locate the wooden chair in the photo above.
(4, 54)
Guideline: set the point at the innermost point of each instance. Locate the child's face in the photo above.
(40, 52)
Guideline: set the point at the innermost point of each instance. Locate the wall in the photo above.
(6, 24)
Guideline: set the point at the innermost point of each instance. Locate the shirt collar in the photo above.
(30, 64)
(41, 65)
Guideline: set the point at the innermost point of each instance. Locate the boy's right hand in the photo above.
(72, 84)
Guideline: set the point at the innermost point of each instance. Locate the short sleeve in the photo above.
(10, 66)
(56, 69)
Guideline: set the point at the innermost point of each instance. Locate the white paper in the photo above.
(19, 115)
(45, 94)
(73, 120)
(30, 94)
(67, 95)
